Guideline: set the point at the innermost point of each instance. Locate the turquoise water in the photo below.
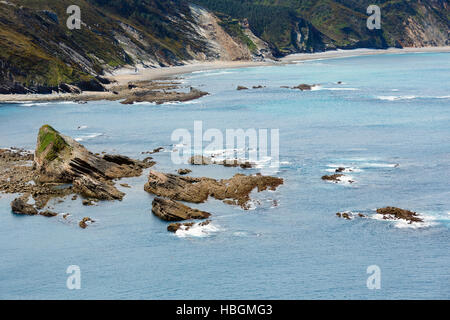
(390, 109)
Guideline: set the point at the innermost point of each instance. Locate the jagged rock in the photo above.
(156, 150)
(61, 159)
(87, 202)
(170, 210)
(91, 85)
(20, 206)
(174, 227)
(258, 87)
(349, 215)
(85, 222)
(48, 213)
(103, 80)
(303, 87)
(340, 169)
(197, 190)
(397, 213)
(67, 88)
(241, 88)
(334, 177)
(184, 171)
(97, 189)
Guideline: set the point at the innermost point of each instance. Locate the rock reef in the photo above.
(197, 190)
(391, 213)
(170, 210)
(61, 159)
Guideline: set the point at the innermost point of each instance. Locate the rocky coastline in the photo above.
(62, 168)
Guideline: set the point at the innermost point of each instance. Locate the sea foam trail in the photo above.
(428, 221)
(89, 137)
(410, 97)
(197, 231)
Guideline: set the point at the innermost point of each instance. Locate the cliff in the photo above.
(39, 54)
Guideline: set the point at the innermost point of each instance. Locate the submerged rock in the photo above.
(241, 88)
(85, 222)
(349, 215)
(333, 178)
(303, 87)
(397, 213)
(170, 210)
(197, 190)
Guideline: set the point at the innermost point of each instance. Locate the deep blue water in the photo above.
(390, 109)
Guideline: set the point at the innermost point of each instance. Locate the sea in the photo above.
(384, 118)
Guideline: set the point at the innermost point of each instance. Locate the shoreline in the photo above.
(125, 75)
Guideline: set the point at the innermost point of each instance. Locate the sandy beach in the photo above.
(125, 75)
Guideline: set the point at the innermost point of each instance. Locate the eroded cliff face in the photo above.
(221, 45)
(38, 53)
(427, 29)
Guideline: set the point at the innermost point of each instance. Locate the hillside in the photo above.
(314, 25)
(38, 52)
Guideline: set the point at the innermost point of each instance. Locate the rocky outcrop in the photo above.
(90, 187)
(174, 227)
(349, 215)
(239, 88)
(85, 222)
(61, 159)
(48, 213)
(390, 213)
(197, 190)
(184, 171)
(170, 210)
(304, 87)
(203, 160)
(67, 88)
(20, 206)
(333, 178)
(159, 97)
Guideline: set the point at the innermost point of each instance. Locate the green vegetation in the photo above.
(51, 142)
(38, 52)
(316, 25)
(234, 29)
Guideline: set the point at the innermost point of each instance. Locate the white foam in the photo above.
(319, 88)
(89, 137)
(347, 169)
(428, 221)
(197, 230)
(396, 98)
(82, 127)
(410, 97)
(343, 180)
(379, 165)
